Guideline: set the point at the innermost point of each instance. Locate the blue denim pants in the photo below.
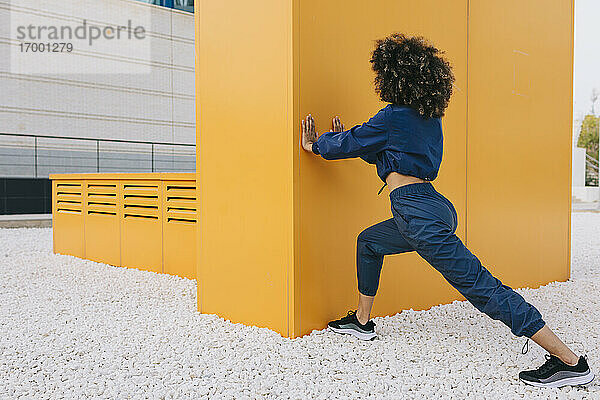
(425, 221)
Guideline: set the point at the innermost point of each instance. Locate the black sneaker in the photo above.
(349, 325)
(554, 374)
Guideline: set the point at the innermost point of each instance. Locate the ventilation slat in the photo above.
(102, 195)
(67, 193)
(140, 196)
(177, 208)
(94, 212)
(147, 207)
(144, 193)
(140, 190)
(182, 215)
(181, 220)
(180, 190)
(132, 210)
(140, 201)
(59, 201)
(180, 187)
(68, 210)
(189, 204)
(140, 216)
(183, 198)
(104, 191)
(182, 193)
(134, 186)
(103, 186)
(101, 203)
(99, 207)
(67, 197)
(68, 184)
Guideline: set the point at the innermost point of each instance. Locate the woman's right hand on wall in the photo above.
(337, 125)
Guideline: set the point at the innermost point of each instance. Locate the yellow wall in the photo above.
(278, 226)
(519, 138)
(339, 199)
(244, 78)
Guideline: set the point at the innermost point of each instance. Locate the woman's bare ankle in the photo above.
(553, 345)
(363, 311)
(362, 318)
(570, 359)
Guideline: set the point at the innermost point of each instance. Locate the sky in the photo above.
(587, 56)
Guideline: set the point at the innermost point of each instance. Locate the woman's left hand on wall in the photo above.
(309, 133)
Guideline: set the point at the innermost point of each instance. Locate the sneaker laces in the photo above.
(525, 348)
(549, 364)
(349, 316)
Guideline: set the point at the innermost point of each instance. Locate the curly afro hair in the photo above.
(411, 72)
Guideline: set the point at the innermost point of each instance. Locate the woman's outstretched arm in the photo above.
(367, 138)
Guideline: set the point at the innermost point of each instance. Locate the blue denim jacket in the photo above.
(396, 139)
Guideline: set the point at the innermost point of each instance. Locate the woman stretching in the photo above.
(404, 140)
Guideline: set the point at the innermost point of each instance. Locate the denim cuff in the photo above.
(533, 328)
(315, 148)
(367, 292)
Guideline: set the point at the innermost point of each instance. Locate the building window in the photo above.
(184, 5)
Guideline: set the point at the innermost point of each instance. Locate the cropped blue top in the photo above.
(396, 139)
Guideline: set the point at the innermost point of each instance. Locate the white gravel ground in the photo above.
(72, 328)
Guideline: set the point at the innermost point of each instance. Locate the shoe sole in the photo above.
(353, 332)
(572, 381)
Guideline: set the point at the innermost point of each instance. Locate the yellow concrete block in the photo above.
(278, 226)
(145, 221)
(68, 209)
(180, 228)
(141, 225)
(103, 221)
